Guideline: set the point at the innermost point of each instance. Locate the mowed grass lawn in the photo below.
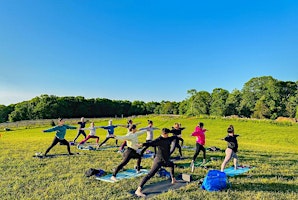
(272, 148)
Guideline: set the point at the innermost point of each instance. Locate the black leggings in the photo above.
(79, 133)
(55, 141)
(127, 155)
(106, 141)
(199, 147)
(143, 150)
(157, 164)
(175, 144)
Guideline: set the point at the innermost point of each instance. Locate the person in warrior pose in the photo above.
(60, 134)
(163, 144)
(92, 133)
(82, 124)
(200, 142)
(231, 151)
(176, 130)
(110, 128)
(149, 137)
(124, 144)
(131, 152)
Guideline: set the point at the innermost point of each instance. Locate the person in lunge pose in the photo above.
(128, 125)
(110, 128)
(82, 124)
(176, 130)
(131, 152)
(200, 142)
(92, 133)
(60, 134)
(163, 144)
(149, 137)
(231, 151)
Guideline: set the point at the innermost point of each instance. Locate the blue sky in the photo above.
(142, 50)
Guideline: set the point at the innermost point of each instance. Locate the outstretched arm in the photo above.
(103, 127)
(153, 143)
(70, 127)
(51, 129)
(121, 125)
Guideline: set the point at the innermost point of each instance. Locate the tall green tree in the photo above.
(191, 102)
(168, 107)
(46, 107)
(183, 107)
(138, 108)
(199, 103)
(150, 106)
(22, 111)
(254, 89)
(286, 106)
(4, 112)
(218, 105)
(261, 110)
(233, 103)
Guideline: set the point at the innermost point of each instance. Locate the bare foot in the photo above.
(113, 178)
(174, 181)
(139, 193)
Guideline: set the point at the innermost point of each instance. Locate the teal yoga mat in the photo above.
(240, 170)
(130, 173)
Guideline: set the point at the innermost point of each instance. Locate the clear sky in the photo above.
(148, 50)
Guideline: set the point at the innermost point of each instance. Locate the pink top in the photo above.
(200, 134)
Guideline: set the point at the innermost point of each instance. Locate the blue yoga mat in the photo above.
(232, 172)
(130, 173)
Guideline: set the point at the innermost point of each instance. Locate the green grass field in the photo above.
(271, 147)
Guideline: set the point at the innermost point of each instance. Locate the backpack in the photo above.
(91, 172)
(215, 180)
(163, 173)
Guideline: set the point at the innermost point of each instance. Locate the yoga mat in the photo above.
(130, 173)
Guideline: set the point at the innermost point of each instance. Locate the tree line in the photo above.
(262, 97)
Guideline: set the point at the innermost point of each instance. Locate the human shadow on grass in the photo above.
(278, 177)
(55, 155)
(265, 187)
